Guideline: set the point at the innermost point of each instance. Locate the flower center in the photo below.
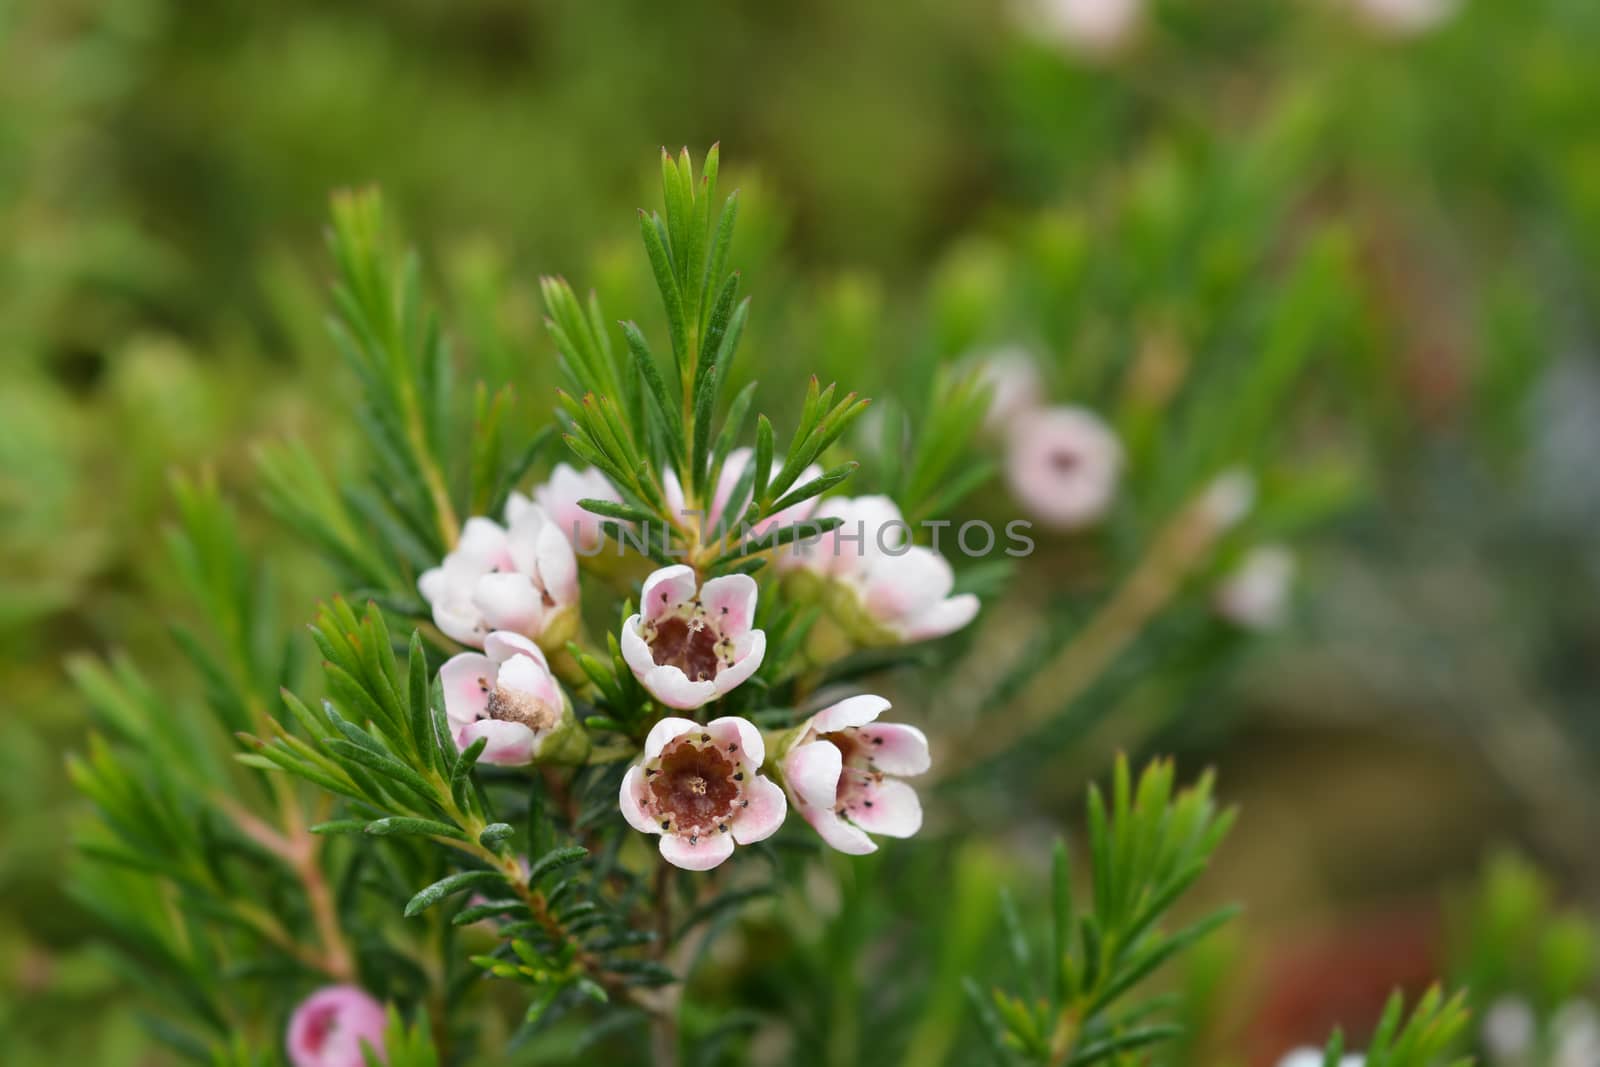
(320, 1027)
(858, 775)
(517, 705)
(1064, 461)
(695, 788)
(690, 644)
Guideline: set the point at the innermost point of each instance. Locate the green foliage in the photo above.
(1145, 850)
(1425, 1038)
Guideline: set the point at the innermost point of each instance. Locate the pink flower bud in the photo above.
(330, 1026)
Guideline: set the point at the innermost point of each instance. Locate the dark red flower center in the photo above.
(690, 644)
(696, 787)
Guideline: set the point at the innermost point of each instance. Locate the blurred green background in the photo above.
(922, 180)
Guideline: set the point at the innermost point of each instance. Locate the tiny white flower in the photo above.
(690, 644)
(1509, 1030)
(508, 695)
(893, 591)
(843, 771)
(559, 496)
(1575, 1031)
(522, 577)
(1063, 465)
(700, 788)
(1256, 595)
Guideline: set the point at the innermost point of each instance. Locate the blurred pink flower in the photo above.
(330, 1026)
(1096, 27)
(690, 644)
(1063, 465)
(700, 789)
(839, 772)
(559, 495)
(733, 469)
(1256, 595)
(522, 578)
(1404, 18)
(507, 695)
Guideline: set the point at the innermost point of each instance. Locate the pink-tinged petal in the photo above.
(851, 711)
(945, 617)
(765, 814)
(482, 540)
(732, 730)
(510, 601)
(672, 491)
(510, 744)
(706, 852)
(890, 807)
(839, 834)
(885, 529)
(557, 564)
(663, 732)
(503, 644)
(897, 748)
(523, 674)
(516, 504)
(329, 1028)
(812, 771)
(666, 589)
(466, 681)
(433, 584)
(635, 653)
(672, 687)
(902, 587)
(730, 603)
(460, 621)
(749, 650)
(732, 470)
(630, 799)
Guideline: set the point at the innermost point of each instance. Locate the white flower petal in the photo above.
(700, 855)
(510, 601)
(511, 744)
(665, 590)
(533, 678)
(945, 617)
(672, 687)
(630, 799)
(732, 730)
(503, 644)
(730, 603)
(897, 748)
(812, 771)
(751, 649)
(890, 807)
(466, 680)
(663, 732)
(765, 814)
(839, 834)
(851, 711)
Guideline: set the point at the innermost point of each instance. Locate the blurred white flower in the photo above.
(508, 696)
(1095, 27)
(1509, 1031)
(843, 770)
(1313, 1057)
(690, 644)
(1575, 1033)
(700, 788)
(1405, 17)
(523, 578)
(1063, 465)
(883, 588)
(1256, 594)
(559, 496)
(329, 1027)
(1015, 387)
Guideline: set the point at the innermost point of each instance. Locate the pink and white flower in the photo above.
(843, 771)
(507, 695)
(1256, 595)
(559, 495)
(522, 577)
(701, 789)
(1015, 387)
(733, 469)
(688, 643)
(1063, 465)
(884, 588)
(1093, 27)
(330, 1027)
(1404, 18)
